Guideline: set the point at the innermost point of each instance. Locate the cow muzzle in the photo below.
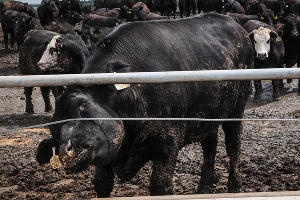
(262, 56)
(41, 67)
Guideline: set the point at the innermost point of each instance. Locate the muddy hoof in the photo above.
(206, 189)
(29, 111)
(275, 98)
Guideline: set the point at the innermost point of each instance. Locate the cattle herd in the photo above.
(119, 36)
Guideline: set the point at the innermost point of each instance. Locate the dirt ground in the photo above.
(270, 157)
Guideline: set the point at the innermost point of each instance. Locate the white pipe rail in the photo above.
(148, 77)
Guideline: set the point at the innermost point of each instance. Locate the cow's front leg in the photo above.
(103, 181)
(161, 182)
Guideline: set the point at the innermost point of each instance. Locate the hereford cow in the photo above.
(69, 51)
(269, 53)
(123, 147)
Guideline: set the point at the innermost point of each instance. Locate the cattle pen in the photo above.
(55, 80)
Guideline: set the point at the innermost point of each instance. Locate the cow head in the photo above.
(261, 38)
(24, 23)
(267, 17)
(52, 8)
(290, 28)
(84, 143)
(62, 52)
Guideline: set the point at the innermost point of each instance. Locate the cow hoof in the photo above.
(275, 98)
(29, 111)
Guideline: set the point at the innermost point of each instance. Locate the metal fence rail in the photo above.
(148, 77)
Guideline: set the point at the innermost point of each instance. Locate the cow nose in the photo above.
(68, 147)
(262, 55)
(41, 67)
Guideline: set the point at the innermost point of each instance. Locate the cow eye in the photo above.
(268, 41)
(52, 50)
(82, 106)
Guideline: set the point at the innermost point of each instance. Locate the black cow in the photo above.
(100, 21)
(290, 32)
(60, 26)
(269, 50)
(17, 6)
(140, 12)
(123, 147)
(8, 21)
(71, 5)
(277, 6)
(233, 6)
(67, 50)
(48, 11)
(187, 7)
(25, 23)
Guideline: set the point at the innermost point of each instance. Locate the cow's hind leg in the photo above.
(233, 145)
(5, 39)
(208, 175)
(103, 181)
(233, 131)
(46, 96)
(29, 105)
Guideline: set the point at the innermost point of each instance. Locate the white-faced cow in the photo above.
(269, 52)
(45, 52)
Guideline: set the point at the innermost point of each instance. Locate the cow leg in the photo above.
(12, 40)
(46, 96)
(258, 89)
(233, 131)
(5, 39)
(103, 181)
(208, 175)
(275, 84)
(29, 105)
(161, 182)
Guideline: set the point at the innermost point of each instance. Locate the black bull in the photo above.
(205, 42)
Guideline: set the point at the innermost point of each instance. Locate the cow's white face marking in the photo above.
(262, 41)
(49, 57)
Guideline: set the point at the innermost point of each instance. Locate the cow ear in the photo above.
(273, 34)
(251, 34)
(44, 151)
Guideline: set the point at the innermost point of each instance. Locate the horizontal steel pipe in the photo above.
(148, 77)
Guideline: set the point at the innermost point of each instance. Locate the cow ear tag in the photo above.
(54, 161)
(262, 18)
(276, 17)
(121, 86)
(286, 6)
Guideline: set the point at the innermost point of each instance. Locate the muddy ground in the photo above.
(270, 157)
